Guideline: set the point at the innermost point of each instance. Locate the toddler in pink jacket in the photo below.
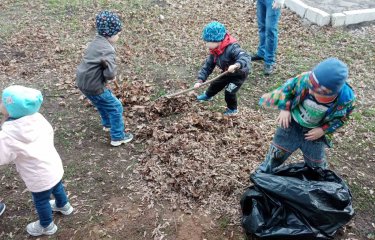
(26, 138)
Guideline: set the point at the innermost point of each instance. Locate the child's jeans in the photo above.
(231, 85)
(268, 19)
(110, 110)
(42, 205)
(288, 140)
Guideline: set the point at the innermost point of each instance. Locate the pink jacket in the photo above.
(28, 142)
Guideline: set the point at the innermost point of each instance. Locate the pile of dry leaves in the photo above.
(194, 157)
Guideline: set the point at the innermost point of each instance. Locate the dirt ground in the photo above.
(183, 175)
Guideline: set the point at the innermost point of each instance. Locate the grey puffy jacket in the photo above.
(97, 67)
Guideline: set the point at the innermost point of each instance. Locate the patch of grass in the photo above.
(217, 104)
(369, 112)
(7, 171)
(58, 4)
(159, 93)
(74, 24)
(277, 84)
(335, 161)
(365, 113)
(73, 170)
(365, 118)
(64, 138)
(357, 116)
(224, 222)
(363, 200)
(370, 126)
(8, 28)
(66, 6)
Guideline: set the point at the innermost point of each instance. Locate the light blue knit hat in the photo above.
(214, 32)
(21, 101)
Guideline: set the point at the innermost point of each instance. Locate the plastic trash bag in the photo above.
(296, 202)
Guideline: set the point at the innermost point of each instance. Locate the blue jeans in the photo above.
(288, 140)
(268, 20)
(41, 202)
(110, 110)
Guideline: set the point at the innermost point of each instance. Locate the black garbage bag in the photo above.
(296, 202)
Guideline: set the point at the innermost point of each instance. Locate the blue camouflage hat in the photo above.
(108, 24)
(21, 101)
(214, 32)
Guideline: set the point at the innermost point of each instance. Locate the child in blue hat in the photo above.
(26, 138)
(227, 54)
(98, 66)
(312, 106)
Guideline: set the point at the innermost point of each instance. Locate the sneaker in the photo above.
(269, 69)
(229, 112)
(128, 137)
(35, 229)
(256, 57)
(66, 210)
(2, 208)
(106, 129)
(203, 97)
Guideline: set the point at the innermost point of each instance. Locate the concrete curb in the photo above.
(322, 18)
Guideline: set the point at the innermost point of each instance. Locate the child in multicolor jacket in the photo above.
(227, 54)
(26, 139)
(313, 106)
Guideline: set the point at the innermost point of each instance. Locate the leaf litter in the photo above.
(194, 157)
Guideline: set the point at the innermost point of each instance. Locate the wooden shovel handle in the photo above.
(193, 88)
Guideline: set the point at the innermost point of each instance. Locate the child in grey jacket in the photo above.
(97, 67)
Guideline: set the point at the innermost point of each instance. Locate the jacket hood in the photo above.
(346, 94)
(26, 129)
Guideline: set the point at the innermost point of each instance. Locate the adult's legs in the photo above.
(261, 19)
(271, 31)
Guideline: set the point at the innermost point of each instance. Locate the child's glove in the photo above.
(234, 67)
(198, 83)
(277, 4)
